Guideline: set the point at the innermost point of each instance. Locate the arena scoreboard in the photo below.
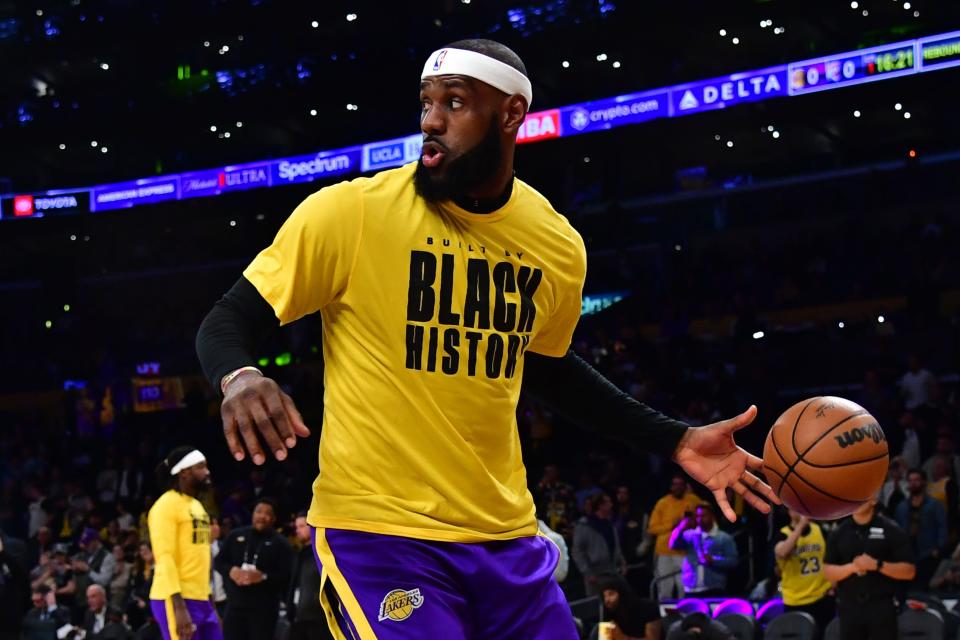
(833, 72)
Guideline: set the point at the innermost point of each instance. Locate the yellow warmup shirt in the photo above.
(802, 580)
(664, 518)
(180, 537)
(427, 311)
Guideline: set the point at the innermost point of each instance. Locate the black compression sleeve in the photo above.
(231, 332)
(580, 393)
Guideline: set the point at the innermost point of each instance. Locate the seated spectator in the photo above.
(895, 489)
(555, 500)
(93, 565)
(946, 448)
(925, 522)
(946, 579)
(699, 626)
(101, 620)
(635, 618)
(14, 584)
(37, 545)
(768, 587)
(119, 585)
(138, 609)
(596, 545)
(61, 577)
(710, 553)
(943, 488)
(45, 618)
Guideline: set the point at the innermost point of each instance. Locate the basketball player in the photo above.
(441, 285)
(799, 552)
(180, 534)
(867, 556)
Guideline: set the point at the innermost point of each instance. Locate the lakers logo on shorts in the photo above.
(399, 604)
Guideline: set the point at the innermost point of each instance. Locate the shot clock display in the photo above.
(842, 70)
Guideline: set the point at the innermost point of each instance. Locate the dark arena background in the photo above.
(768, 193)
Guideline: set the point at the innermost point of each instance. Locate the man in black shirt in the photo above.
(306, 615)
(866, 557)
(255, 563)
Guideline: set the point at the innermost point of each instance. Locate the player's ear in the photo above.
(514, 111)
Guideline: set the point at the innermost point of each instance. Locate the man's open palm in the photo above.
(711, 457)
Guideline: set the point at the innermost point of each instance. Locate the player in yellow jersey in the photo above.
(799, 551)
(180, 537)
(442, 284)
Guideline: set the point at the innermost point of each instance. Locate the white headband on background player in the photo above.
(476, 65)
(192, 458)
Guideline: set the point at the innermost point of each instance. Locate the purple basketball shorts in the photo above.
(202, 613)
(385, 587)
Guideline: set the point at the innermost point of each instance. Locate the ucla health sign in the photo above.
(315, 166)
(615, 112)
(720, 93)
(391, 153)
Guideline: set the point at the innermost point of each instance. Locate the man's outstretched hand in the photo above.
(711, 457)
(256, 409)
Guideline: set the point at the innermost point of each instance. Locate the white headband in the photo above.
(192, 458)
(476, 65)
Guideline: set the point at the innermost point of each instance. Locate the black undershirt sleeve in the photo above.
(228, 337)
(241, 320)
(580, 393)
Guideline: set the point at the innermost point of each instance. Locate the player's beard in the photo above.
(464, 173)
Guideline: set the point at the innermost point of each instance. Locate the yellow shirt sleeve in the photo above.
(309, 263)
(163, 539)
(555, 336)
(659, 524)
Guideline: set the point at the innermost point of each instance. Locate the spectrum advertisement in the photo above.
(893, 60)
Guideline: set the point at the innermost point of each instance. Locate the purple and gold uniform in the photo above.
(180, 538)
(427, 311)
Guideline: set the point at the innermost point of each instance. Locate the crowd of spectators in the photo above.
(76, 471)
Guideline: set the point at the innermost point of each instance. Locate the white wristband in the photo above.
(227, 379)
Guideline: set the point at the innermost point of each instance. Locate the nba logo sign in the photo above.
(439, 60)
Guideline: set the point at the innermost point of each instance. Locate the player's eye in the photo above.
(456, 103)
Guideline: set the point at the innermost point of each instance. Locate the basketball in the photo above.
(825, 456)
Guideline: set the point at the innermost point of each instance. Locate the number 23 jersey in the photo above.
(801, 579)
